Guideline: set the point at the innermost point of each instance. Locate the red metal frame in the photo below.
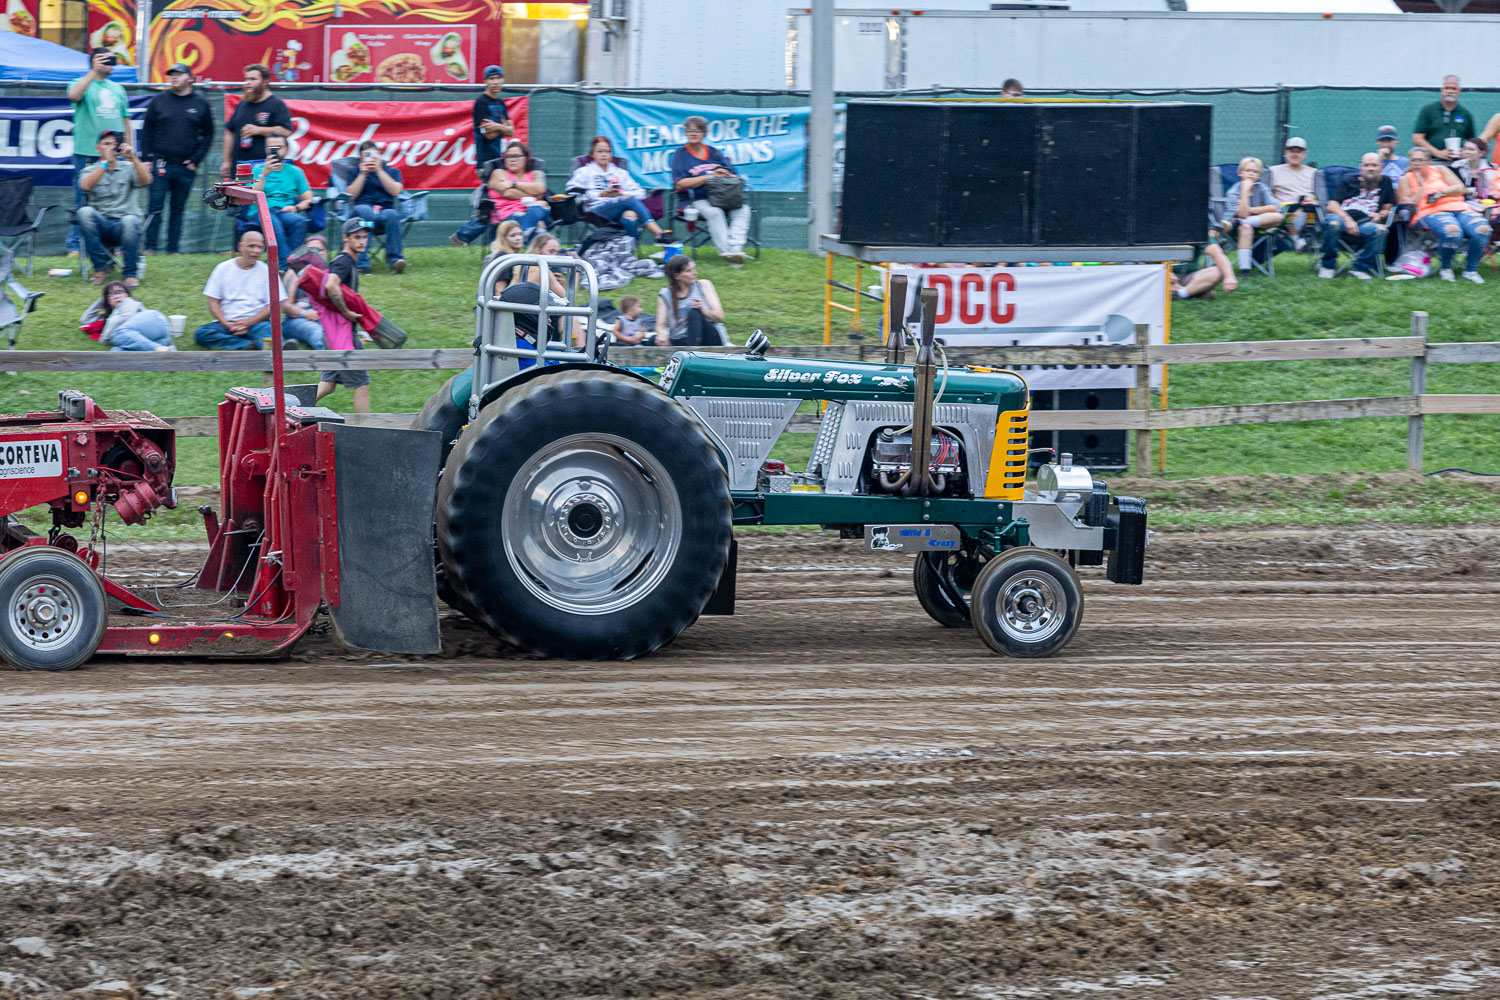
(277, 486)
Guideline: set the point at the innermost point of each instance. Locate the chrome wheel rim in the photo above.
(1032, 606)
(45, 612)
(591, 524)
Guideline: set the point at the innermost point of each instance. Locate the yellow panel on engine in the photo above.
(1007, 474)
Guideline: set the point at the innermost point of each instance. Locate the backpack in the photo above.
(727, 193)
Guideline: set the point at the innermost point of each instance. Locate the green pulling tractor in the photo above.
(584, 511)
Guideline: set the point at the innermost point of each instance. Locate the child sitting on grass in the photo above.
(628, 329)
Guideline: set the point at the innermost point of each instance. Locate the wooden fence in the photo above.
(1142, 418)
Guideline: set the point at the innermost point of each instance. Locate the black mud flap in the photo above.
(1127, 560)
(386, 495)
(722, 602)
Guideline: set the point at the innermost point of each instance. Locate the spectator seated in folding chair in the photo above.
(516, 188)
(17, 224)
(16, 300)
(295, 210)
(113, 216)
(1292, 185)
(1251, 216)
(382, 200)
(1359, 210)
(610, 196)
(709, 188)
(1437, 197)
(1481, 181)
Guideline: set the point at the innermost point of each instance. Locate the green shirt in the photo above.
(285, 186)
(104, 106)
(1436, 123)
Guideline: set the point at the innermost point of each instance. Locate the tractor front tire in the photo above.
(54, 610)
(584, 515)
(1026, 602)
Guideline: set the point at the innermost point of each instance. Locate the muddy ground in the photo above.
(1270, 772)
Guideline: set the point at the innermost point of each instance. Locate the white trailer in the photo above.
(759, 44)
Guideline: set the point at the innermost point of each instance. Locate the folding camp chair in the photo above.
(15, 300)
(1221, 177)
(1326, 184)
(17, 225)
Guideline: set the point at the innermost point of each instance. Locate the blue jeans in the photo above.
(1449, 227)
(79, 200)
(145, 331)
(614, 211)
(387, 221)
(177, 182)
(100, 230)
(527, 220)
(1369, 241)
(215, 337)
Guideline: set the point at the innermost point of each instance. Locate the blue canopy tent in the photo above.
(31, 59)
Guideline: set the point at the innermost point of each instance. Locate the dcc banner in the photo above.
(36, 137)
(1051, 306)
(430, 142)
(766, 145)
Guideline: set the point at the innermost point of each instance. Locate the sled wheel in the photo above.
(55, 612)
(584, 515)
(1026, 602)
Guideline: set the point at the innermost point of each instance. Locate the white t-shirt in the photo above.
(1290, 185)
(241, 293)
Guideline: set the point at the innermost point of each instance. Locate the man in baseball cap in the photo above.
(1391, 165)
(491, 121)
(1292, 185)
(175, 139)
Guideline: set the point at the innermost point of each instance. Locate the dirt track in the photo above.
(1270, 772)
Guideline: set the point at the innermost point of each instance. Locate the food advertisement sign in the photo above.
(327, 41)
(112, 26)
(399, 53)
(19, 16)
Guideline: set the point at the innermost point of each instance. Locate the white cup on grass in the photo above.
(178, 323)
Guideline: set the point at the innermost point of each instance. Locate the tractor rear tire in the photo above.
(1026, 602)
(584, 515)
(936, 576)
(443, 415)
(54, 610)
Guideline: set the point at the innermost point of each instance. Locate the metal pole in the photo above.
(1140, 460)
(820, 125)
(1418, 387)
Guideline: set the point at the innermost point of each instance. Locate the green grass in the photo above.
(782, 294)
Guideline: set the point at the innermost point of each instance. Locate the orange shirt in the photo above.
(1429, 181)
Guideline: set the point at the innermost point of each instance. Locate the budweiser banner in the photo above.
(1045, 306)
(430, 142)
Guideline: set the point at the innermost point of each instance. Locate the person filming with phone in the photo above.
(372, 196)
(288, 195)
(99, 104)
(113, 214)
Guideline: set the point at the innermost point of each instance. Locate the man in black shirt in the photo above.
(256, 116)
(345, 265)
(492, 125)
(175, 139)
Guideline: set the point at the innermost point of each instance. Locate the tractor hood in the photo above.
(740, 375)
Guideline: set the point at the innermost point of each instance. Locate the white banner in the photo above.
(1052, 306)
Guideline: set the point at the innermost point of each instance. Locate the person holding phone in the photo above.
(608, 191)
(113, 214)
(99, 104)
(1440, 207)
(372, 197)
(288, 195)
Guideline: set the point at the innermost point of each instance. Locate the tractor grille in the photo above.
(1007, 475)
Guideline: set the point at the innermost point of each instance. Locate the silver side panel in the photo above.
(744, 429)
(1054, 525)
(974, 423)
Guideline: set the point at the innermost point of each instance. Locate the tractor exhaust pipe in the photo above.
(895, 339)
(917, 479)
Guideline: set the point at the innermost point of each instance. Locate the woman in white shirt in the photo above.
(608, 191)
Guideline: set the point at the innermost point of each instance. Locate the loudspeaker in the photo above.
(940, 173)
(1093, 449)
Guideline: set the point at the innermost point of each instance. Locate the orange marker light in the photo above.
(80, 498)
(229, 635)
(154, 638)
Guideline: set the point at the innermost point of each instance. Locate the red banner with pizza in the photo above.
(430, 142)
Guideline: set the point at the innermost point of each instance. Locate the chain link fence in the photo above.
(1338, 123)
